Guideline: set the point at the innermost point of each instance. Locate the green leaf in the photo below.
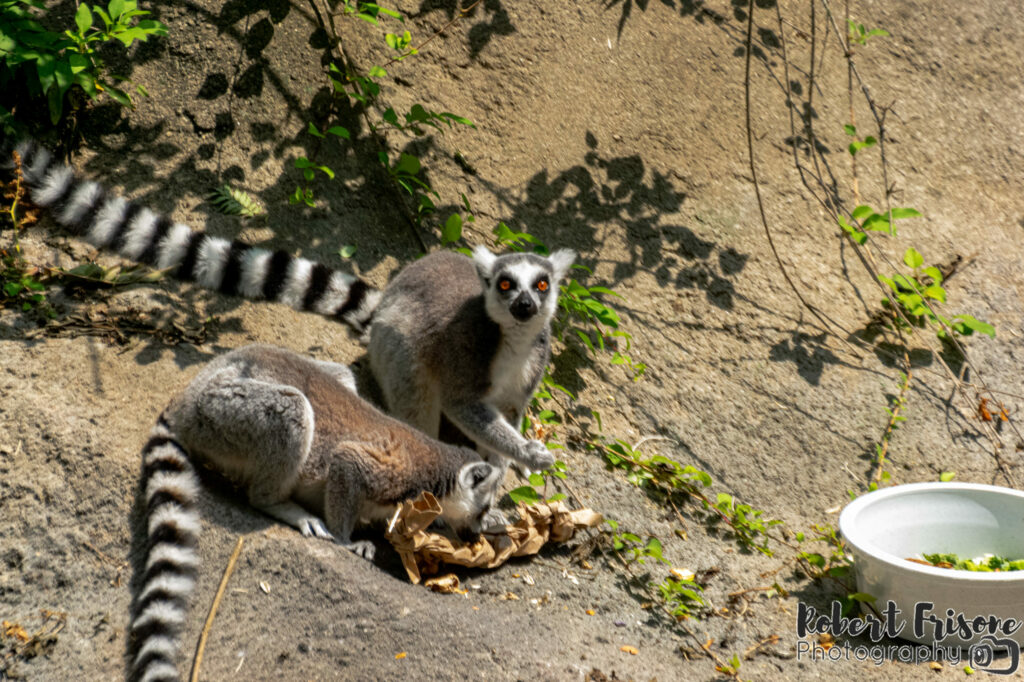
(934, 273)
(339, 131)
(913, 258)
(452, 229)
(901, 213)
(935, 291)
(55, 100)
(347, 251)
(377, 72)
(118, 95)
(116, 9)
(312, 130)
(976, 325)
(536, 480)
(877, 223)
(850, 130)
(525, 494)
(83, 18)
(862, 597)
(947, 476)
(408, 164)
(861, 212)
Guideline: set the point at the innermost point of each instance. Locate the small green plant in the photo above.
(632, 548)
(678, 594)
(529, 494)
(233, 201)
(832, 563)
(858, 143)
(913, 294)
(860, 35)
(52, 63)
(364, 89)
(670, 481)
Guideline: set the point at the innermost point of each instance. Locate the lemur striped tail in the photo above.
(169, 568)
(106, 221)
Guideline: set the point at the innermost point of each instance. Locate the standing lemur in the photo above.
(293, 434)
(449, 335)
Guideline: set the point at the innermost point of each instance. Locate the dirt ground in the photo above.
(617, 128)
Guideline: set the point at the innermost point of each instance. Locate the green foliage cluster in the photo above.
(833, 564)
(364, 89)
(986, 565)
(679, 595)
(672, 482)
(51, 63)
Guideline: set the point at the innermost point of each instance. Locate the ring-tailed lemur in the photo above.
(292, 432)
(469, 338)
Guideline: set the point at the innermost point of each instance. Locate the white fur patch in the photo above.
(159, 644)
(108, 220)
(336, 293)
(56, 183)
(139, 234)
(34, 171)
(255, 264)
(297, 283)
(484, 260)
(173, 246)
(185, 520)
(210, 262)
(360, 315)
(184, 557)
(84, 198)
(179, 483)
(176, 585)
(160, 670)
(160, 612)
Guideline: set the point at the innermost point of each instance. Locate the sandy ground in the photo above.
(615, 128)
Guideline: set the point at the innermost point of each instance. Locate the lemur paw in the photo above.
(313, 527)
(363, 548)
(494, 520)
(535, 455)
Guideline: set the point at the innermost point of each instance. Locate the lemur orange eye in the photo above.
(504, 285)
(542, 285)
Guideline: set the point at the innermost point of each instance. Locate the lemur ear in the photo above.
(484, 261)
(561, 261)
(474, 475)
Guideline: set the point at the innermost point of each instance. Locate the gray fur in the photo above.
(446, 339)
(291, 432)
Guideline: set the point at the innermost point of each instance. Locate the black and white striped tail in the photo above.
(231, 267)
(160, 605)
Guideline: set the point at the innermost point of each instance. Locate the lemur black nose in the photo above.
(523, 307)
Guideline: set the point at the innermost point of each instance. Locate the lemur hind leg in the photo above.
(259, 435)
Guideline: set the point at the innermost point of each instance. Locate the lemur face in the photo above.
(475, 494)
(521, 287)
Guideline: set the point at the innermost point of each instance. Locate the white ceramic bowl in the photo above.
(883, 528)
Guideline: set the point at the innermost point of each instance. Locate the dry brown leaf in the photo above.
(631, 650)
(423, 551)
(445, 584)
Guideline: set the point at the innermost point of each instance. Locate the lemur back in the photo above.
(469, 338)
(294, 436)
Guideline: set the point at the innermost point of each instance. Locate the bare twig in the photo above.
(201, 647)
